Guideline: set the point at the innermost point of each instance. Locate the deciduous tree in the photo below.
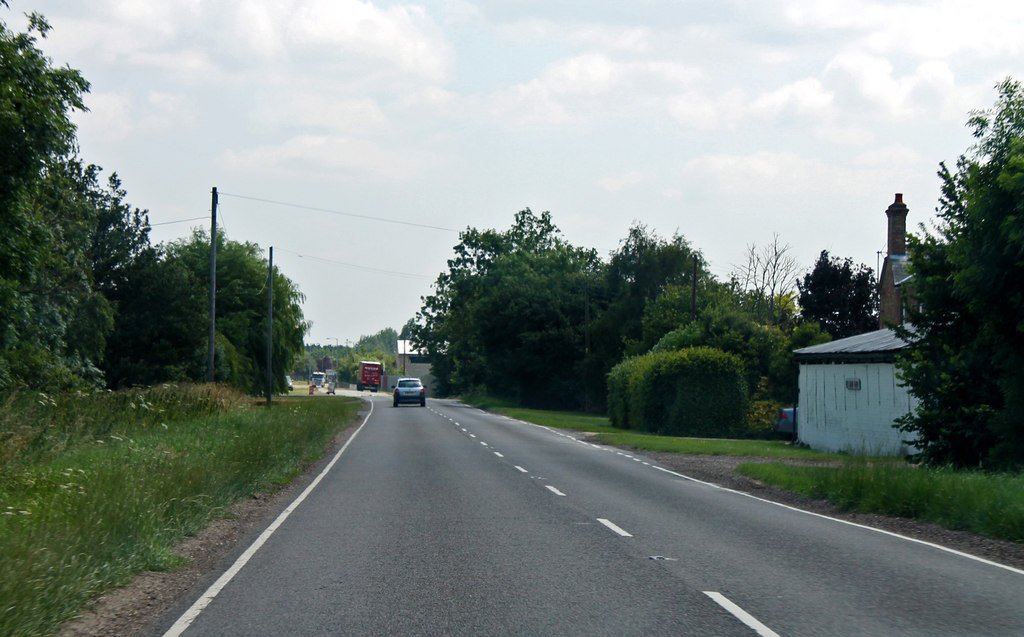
(841, 298)
(966, 360)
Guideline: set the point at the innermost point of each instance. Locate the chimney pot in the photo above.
(899, 197)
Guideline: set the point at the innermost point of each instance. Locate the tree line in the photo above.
(86, 300)
(524, 315)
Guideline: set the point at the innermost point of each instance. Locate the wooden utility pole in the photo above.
(693, 293)
(270, 327)
(213, 287)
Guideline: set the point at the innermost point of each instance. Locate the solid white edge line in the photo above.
(614, 527)
(204, 600)
(847, 523)
(741, 614)
(553, 490)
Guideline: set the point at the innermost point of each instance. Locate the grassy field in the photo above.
(97, 487)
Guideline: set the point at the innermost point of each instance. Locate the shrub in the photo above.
(696, 391)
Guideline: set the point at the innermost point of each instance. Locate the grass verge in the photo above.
(559, 419)
(715, 446)
(982, 503)
(649, 442)
(105, 485)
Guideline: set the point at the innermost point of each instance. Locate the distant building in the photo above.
(413, 362)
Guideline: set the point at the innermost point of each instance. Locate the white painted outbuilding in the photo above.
(850, 395)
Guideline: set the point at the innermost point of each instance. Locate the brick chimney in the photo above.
(897, 213)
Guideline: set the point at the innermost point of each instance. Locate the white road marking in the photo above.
(614, 527)
(498, 454)
(204, 600)
(521, 470)
(472, 435)
(554, 490)
(483, 443)
(741, 614)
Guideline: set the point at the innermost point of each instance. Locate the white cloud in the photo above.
(764, 174)
(594, 36)
(701, 112)
(328, 155)
(113, 117)
(460, 12)
(615, 183)
(109, 117)
(804, 97)
(401, 35)
(328, 112)
(892, 156)
(165, 111)
(572, 89)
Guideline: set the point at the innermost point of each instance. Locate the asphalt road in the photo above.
(446, 520)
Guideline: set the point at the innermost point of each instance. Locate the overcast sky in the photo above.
(727, 121)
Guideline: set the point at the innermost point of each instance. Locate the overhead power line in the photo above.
(167, 223)
(407, 275)
(339, 212)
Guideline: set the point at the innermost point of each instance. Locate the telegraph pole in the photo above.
(270, 327)
(213, 286)
(693, 293)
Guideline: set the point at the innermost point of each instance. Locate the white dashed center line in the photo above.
(741, 614)
(521, 470)
(614, 527)
(554, 490)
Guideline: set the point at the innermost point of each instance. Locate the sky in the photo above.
(359, 138)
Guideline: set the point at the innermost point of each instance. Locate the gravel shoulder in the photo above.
(135, 609)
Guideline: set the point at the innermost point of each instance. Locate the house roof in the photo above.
(877, 346)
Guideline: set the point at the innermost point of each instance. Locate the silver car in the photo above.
(410, 390)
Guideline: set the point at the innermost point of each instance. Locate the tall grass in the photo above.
(983, 503)
(96, 488)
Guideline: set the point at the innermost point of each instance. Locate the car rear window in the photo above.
(408, 383)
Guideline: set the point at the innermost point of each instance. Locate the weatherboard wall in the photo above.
(851, 407)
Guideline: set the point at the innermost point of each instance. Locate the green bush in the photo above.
(697, 391)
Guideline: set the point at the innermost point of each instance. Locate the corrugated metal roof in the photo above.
(880, 342)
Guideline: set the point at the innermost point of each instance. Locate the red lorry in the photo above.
(370, 373)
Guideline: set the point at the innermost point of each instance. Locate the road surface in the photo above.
(446, 520)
